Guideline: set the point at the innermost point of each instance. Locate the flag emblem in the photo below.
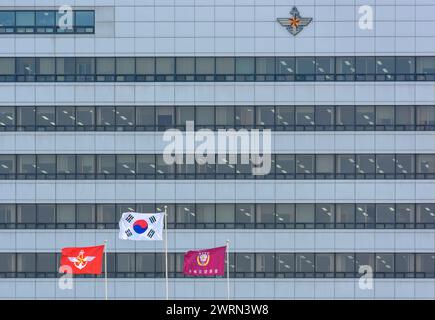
(84, 260)
(80, 262)
(141, 226)
(203, 259)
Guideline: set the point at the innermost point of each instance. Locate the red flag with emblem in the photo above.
(85, 260)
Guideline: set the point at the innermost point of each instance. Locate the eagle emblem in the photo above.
(80, 262)
(295, 23)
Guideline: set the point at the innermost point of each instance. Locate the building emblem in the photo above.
(295, 23)
(81, 261)
(203, 259)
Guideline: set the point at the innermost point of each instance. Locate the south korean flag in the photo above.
(141, 226)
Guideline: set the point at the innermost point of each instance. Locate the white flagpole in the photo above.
(105, 267)
(166, 253)
(228, 269)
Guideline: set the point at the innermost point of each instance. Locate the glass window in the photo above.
(66, 66)
(125, 262)
(426, 213)
(345, 213)
(265, 213)
(25, 18)
(7, 116)
(344, 262)
(305, 163)
(245, 262)
(225, 213)
(46, 164)
(385, 213)
(185, 213)
(304, 213)
(385, 65)
(385, 163)
(106, 213)
(125, 116)
(46, 213)
(404, 262)
(66, 213)
(245, 116)
(45, 66)
(205, 213)
(165, 66)
(26, 164)
(145, 262)
(385, 115)
(85, 213)
(165, 116)
(85, 116)
(324, 115)
(425, 262)
(225, 65)
(145, 164)
(204, 66)
(224, 116)
(7, 262)
(324, 213)
(45, 116)
(345, 163)
(344, 115)
(66, 164)
(385, 262)
(265, 262)
(365, 163)
(405, 163)
(405, 65)
(324, 262)
(85, 164)
(145, 66)
(162, 167)
(425, 163)
(86, 66)
(305, 65)
(26, 262)
(426, 115)
(285, 262)
(7, 66)
(265, 116)
(204, 116)
(325, 164)
(265, 65)
(345, 65)
(405, 115)
(425, 65)
(185, 66)
(285, 115)
(364, 260)
(145, 116)
(25, 66)
(285, 213)
(105, 66)
(125, 164)
(84, 18)
(304, 262)
(7, 19)
(45, 18)
(324, 65)
(245, 213)
(125, 66)
(405, 213)
(106, 116)
(305, 115)
(285, 164)
(365, 213)
(245, 66)
(285, 66)
(106, 164)
(365, 65)
(7, 164)
(7, 213)
(26, 213)
(365, 115)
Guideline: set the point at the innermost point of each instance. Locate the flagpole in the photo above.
(105, 267)
(228, 269)
(166, 254)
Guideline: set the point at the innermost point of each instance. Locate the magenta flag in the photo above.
(205, 263)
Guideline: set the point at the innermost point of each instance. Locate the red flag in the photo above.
(205, 263)
(86, 260)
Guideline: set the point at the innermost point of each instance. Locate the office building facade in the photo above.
(347, 210)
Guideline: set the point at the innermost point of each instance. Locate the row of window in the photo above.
(46, 21)
(155, 118)
(202, 69)
(154, 166)
(224, 215)
(241, 265)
